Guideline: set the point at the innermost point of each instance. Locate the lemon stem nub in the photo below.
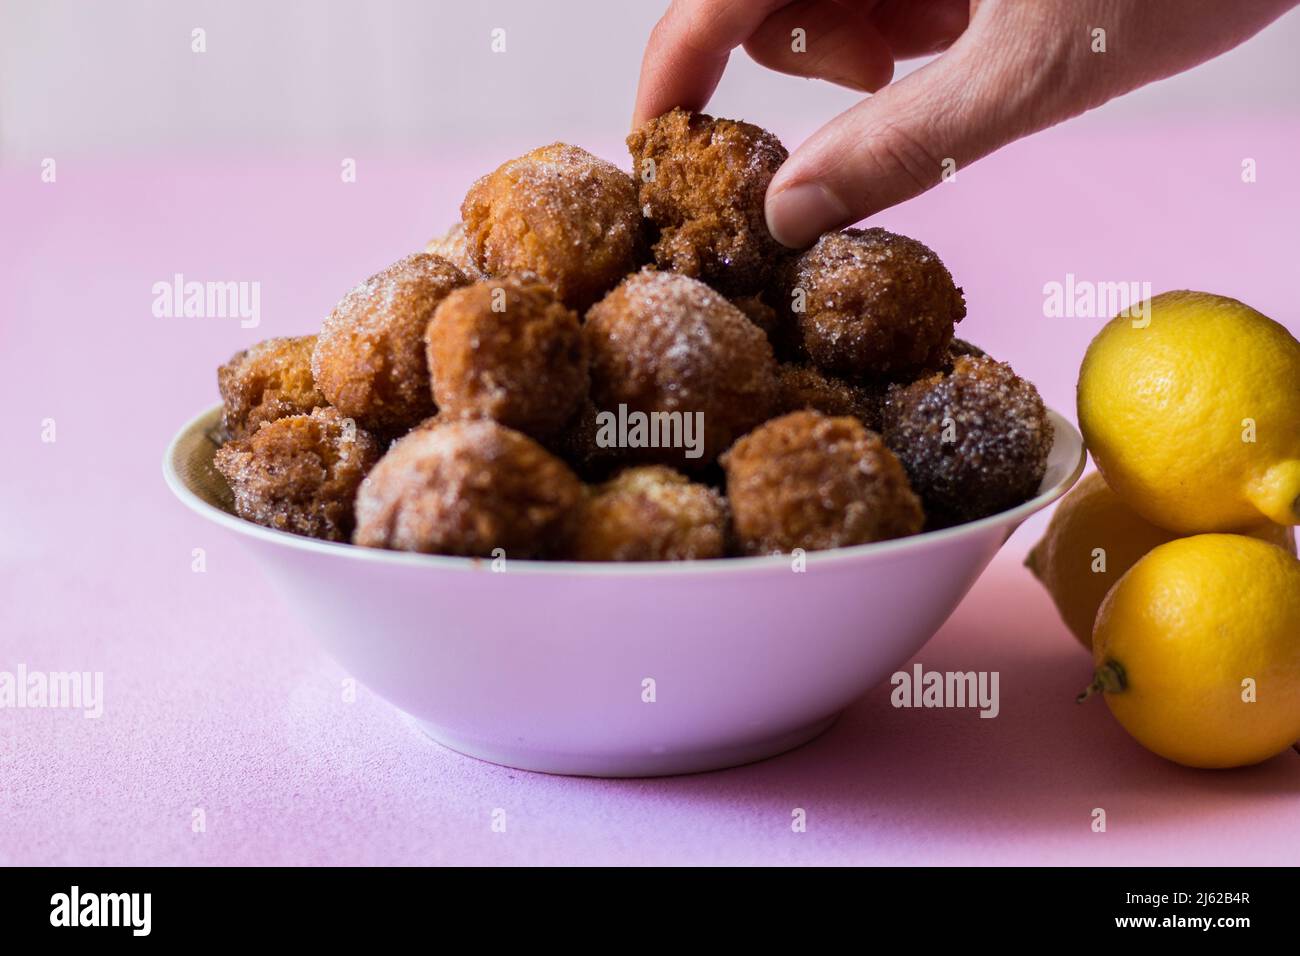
(1109, 678)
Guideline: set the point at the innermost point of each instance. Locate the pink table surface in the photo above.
(217, 698)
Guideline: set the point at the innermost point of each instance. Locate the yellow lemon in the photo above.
(1197, 650)
(1092, 539)
(1190, 405)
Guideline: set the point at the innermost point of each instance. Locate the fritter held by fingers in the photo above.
(702, 183)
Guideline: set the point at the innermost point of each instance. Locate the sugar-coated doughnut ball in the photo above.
(508, 349)
(802, 386)
(650, 513)
(467, 488)
(267, 381)
(669, 348)
(871, 303)
(370, 360)
(300, 473)
(702, 182)
(974, 440)
(560, 212)
(810, 481)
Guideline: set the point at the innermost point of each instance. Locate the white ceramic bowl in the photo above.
(547, 665)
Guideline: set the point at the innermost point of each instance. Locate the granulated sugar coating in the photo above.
(871, 303)
(467, 488)
(974, 441)
(560, 212)
(810, 481)
(508, 349)
(663, 342)
(702, 183)
(453, 247)
(270, 380)
(300, 473)
(370, 360)
(650, 513)
(806, 387)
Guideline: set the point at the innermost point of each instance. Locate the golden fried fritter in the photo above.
(370, 359)
(508, 349)
(702, 182)
(467, 488)
(806, 387)
(650, 513)
(871, 303)
(669, 348)
(813, 482)
(267, 381)
(560, 212)
(974, 441)
(300, 473)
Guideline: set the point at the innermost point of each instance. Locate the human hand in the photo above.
(1009, 68)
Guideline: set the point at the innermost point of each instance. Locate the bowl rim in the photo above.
(1063, 431)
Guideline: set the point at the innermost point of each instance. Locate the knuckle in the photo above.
(898, 150)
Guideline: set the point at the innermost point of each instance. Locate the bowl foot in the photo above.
(630, 764)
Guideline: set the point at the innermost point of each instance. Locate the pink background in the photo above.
(216, 697)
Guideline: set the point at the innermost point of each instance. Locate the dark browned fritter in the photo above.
(560, 212)
(467, 488)
(807, 387)
(270, 380)
(650, 513)
(871, 303)
(370, 360)
(300, 473)
(974, 441)
(664, 342)
(810, 481)
(508, 349)
(760, 313)
(578, 445)
(702, 182)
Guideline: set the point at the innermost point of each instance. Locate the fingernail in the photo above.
(800, 213)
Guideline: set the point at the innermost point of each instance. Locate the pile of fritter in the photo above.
(601, 366)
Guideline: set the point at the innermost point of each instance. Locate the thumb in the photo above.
(899, 143)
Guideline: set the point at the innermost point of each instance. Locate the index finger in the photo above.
(688, 50)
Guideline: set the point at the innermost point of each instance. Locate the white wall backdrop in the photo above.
(120, 75)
